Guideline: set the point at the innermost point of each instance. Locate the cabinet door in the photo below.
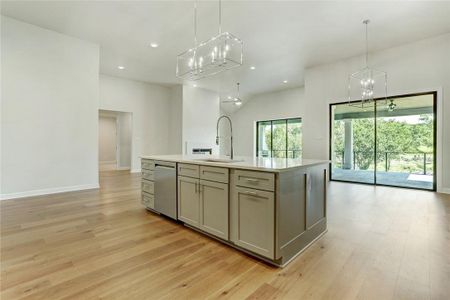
(189, 200)
(253, 220)
(214, 208)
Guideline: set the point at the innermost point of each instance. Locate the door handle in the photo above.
(164, 167)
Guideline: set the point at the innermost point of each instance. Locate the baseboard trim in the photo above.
(49, 191)
(123, 168)
(108, 162)
(444, 190)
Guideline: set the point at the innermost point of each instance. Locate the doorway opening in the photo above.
(114, 140)
(391, 144)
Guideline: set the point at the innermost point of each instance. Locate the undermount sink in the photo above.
(221, 160)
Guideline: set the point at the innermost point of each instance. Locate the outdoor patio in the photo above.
(387, 178)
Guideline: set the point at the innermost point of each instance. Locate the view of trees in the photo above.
(397, 141)
(286, 136)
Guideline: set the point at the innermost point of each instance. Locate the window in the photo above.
(279, 138)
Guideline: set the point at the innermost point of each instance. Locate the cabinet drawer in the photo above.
(214, 174)
(148, 200)
(147, 164)
(147, 174)
(255, 180)
(148, 186)
(188, 170)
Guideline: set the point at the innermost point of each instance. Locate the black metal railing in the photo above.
(280, 153)
(411, 162)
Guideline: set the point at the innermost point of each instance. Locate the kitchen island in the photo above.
(272, 208)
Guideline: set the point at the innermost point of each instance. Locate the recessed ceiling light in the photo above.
(194, 85)
(285, 81)
(154, 45)
(252, 67)
(238, 103)
(120, 67)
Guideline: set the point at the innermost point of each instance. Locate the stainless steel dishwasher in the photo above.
(166, 188)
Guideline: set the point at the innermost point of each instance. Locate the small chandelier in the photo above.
(234, 100)
(367, 82)
(220, 53)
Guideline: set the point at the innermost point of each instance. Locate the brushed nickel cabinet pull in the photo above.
(251, 193)
(324, 193)
(306, 201)
(213, 172)
(252, 180)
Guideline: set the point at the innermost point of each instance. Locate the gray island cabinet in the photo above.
(267, 207)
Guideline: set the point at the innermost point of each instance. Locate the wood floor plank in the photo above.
(382, 243)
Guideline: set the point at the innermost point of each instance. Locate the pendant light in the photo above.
(220, 53)
(391, 107)
(367, 83)
(234, 100)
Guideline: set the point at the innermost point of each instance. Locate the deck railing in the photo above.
(390, 161)
(281, 153)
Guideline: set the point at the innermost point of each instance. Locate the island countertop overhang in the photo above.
(243, 162)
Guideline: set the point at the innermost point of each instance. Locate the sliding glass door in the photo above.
(389, 143)
(279, 138)
(353, 133)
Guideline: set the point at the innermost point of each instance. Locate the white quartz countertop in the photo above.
(242, 162)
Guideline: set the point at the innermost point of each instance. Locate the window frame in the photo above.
(286, 150)
(375, 183)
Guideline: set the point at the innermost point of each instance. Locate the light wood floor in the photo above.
(382, 243)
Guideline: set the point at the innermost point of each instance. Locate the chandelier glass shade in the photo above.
(220, 53)
(366, 84)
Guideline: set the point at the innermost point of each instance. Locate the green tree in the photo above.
(279, 135)
(396, 138)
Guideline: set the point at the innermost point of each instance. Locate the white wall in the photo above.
(49, 114)
(176, 122)
(107, 139)
(277, 105)
(416, 67)
(151, 109)
(124, 135)
(200, 113)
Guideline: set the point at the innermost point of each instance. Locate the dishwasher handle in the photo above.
(165, 164)
(164, 167)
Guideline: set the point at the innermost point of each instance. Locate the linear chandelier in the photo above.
(220, 53)
(367, 83)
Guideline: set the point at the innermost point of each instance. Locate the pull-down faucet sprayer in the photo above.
(231, 132)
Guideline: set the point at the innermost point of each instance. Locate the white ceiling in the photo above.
(402, 102)
(281, 38)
